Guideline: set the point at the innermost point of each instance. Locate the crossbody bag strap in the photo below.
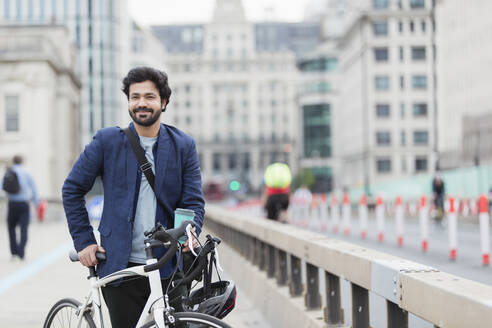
(145, 166)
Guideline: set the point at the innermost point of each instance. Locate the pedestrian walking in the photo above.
(21, 189)
(438, 196)
(139, 192)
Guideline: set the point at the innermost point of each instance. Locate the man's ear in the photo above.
(163, 105)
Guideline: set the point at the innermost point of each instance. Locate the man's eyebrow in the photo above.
(145, 94)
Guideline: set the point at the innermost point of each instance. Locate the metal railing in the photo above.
(408, 287)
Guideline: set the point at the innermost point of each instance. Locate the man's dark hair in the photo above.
(144, 73)
(17, 159)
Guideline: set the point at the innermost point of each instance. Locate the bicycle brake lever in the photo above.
(190, 243)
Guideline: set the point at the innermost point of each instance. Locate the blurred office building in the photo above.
(235, 90)
(39, 103)
(386, 103)
(106, 39)
(464, 65)
(319, 90)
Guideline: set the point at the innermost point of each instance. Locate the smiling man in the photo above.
(130, 204)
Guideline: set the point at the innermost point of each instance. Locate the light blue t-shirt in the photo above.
(27, 186)
(146, 207)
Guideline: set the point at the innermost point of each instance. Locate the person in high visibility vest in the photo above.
(277, 188)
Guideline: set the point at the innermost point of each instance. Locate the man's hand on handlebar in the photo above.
(87, 256)
(186, 248)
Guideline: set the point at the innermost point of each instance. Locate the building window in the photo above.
(401, 53)
(19, 10)
(403, 138)
(402, 110)
(381, 54)
(400, 26)
(412, 26)
(419, 82)
(383, 138)
(323, 64)
(420, 137)
(402, 82)
(400, 5)
(6, 9)
(383, 165)
(423, 26)
(317, 87)
(382, 110)
(418, 53)
(381, 82)
(420, 164)
(12, 113)
(317, 130)
(216, 160)
(54, 10)
(380, 28)
(420, 109)
(232, 161)
(417, 4)
(380, 4)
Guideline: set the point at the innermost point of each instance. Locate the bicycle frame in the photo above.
(155, 302)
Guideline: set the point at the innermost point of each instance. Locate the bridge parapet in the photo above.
(440, 298)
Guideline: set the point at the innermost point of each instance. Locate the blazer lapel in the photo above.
(163, 154)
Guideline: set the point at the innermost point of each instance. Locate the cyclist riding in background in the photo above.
(277, 188)
(438, 192)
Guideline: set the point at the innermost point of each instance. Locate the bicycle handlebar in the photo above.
(74, 256)
(168, 236)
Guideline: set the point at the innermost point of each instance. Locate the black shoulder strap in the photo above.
(145, 166)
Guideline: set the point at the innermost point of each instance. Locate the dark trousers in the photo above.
(276, 203)
(18, 215)
(126, 301)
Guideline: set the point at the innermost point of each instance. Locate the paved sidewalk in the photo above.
(29, 288)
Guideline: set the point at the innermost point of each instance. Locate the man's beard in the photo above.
(151, 119)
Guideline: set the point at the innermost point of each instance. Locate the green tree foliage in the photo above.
(303, 177)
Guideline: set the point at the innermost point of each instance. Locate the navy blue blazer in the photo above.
(110, 156)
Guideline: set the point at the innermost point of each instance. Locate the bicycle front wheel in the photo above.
(64, 314)
(192, 319)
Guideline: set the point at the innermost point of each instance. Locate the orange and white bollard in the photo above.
(335, 213)
(380, 218)
(483, 217)
(452, 229)
(323, 212)
(399, 212)
(346, 214)
(314, 218)
(363, 216)
(424, 222)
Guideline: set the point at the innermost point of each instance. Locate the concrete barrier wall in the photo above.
(408, 287)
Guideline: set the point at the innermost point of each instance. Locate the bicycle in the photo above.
(156, 313)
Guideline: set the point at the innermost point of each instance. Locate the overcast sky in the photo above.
(152, 12)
